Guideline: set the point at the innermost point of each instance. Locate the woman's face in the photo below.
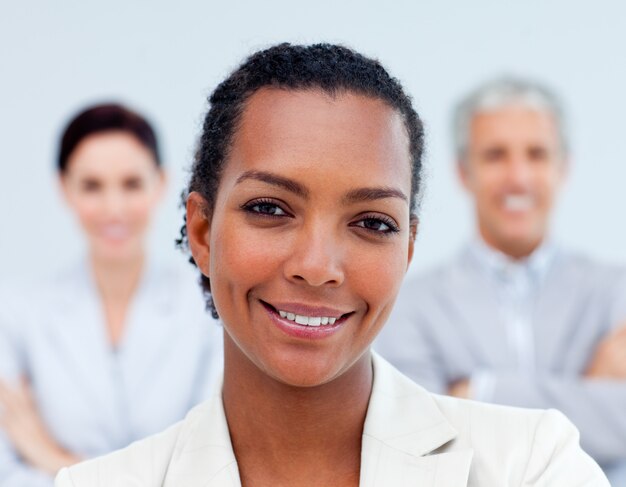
(310, 236)
(113, 185)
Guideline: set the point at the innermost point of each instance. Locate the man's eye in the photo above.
(494, 154)
(265, 208)
(537, 154)
(133, 183)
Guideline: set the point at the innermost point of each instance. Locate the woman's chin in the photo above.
(117, 251)
(304, 370)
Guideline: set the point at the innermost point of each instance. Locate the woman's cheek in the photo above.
(249, 254)
(140, 210)
(378, 272)
(90, 214)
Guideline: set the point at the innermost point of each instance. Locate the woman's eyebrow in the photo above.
(280, 181)
(374, 193)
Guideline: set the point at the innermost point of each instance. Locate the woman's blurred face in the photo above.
(310, 236)
(113, 185)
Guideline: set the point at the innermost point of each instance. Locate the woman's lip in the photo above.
(307, 310)
(293, 329)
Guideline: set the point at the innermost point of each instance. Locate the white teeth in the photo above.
(315, 321)
(307, 320)
(518, 202)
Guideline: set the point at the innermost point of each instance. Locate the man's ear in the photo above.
(463, 172)
(198, 231)
(566, 168)
(413, 226)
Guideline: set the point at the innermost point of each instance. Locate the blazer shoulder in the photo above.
(538, 447)
(144, 462)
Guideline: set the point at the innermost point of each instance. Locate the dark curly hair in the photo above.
(333, 69)
(106, 117)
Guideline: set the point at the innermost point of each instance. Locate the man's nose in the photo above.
(520, 170)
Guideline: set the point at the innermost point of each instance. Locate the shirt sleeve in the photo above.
(13, 472)
(405, 341)
(596, 407)
(617, 306)
(210, 370)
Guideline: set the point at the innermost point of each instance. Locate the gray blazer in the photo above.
(410, 438)
(445, 327)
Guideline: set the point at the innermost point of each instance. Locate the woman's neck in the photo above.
(285, 435)
(116, 282)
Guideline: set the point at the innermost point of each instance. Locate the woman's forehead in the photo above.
(296, 111)
(309, 128)
(110, 154)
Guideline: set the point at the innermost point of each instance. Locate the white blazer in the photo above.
(410, 438)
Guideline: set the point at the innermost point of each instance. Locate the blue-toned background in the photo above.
(163, 58)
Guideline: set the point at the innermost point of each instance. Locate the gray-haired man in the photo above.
(516, 319)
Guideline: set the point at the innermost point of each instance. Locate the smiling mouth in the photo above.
(307, 321)
(519, 202)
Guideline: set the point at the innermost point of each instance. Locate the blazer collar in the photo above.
(203, 455)
(404, 436)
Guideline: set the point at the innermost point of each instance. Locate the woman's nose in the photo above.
(316, 258)
(114, 203)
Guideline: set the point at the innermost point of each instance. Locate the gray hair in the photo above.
(500, 93)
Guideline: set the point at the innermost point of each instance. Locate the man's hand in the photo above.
(23, 425)
(609, 360)
(460, 388)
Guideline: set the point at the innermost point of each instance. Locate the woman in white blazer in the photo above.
(87, 357)
(301, 217)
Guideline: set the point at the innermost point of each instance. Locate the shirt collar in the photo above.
(500, 265)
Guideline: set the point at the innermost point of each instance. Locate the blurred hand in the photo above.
(27, 432)
(460, 388)
(609, 360)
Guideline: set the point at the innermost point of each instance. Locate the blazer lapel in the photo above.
(404, 436)
(203, 455)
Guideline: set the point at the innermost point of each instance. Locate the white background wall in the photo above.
(164, 58)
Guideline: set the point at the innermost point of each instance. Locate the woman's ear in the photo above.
(65, 188)
(162, 182)
(198, 231)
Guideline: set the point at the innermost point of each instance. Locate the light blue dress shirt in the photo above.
(522, 332)
(95, 398)
(516, 284)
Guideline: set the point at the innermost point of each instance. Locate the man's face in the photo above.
(514, 167)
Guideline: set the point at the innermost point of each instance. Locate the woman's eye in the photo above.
(377, 225)
(90, 186)
(265, 208)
